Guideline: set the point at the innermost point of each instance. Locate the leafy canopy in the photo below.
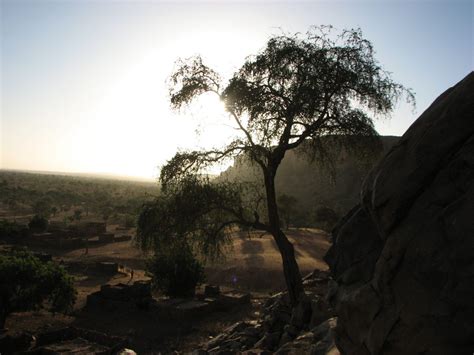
(195, 212)
(27, 283)
(297, 89)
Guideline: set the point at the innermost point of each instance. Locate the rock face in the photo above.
(403, 260)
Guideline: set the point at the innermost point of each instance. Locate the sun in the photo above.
(210, 104)
(211, 122)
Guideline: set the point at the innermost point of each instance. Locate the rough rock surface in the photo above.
(70, 340)
(403, 260)
(305, 329)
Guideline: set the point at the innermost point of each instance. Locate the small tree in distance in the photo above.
(286, 206)
(295, 91)
(38, 224)
(42, 207)
(77, 214)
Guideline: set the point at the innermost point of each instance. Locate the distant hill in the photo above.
(83, 175)
(312, 184)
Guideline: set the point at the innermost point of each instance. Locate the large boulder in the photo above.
(403, 259)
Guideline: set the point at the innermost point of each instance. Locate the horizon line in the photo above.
(100, 175)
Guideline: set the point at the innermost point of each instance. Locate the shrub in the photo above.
(38, 224)
(11, 229)
(27, 283)
(175, 271)
(326, 217)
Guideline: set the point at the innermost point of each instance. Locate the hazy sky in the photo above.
(83, 82)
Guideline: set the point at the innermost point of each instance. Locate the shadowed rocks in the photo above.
(307, 328)
(403, 260)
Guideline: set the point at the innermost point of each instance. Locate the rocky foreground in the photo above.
(306, 329)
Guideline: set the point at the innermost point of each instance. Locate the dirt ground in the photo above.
(253, 264)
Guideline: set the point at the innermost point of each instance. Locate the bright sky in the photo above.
(83, 82)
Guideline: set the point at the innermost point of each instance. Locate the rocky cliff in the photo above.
(403, 259)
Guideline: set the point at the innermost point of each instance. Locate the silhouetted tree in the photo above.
(190, 211)
(296, 90)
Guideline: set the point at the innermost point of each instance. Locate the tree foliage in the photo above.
(10, 229)
(38, 224)
(193, 211)
(175, 270)
(295, 91)
(27, 283)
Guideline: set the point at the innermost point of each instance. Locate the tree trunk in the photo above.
(291, 270)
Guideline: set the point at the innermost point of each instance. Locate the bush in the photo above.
(11, 229)
(326, 217)
(38, 224)
(176, 271)
(27, 283)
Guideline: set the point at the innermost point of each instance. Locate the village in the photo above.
(112, 286)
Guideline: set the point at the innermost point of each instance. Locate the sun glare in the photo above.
(134, 131)
(142, 131)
